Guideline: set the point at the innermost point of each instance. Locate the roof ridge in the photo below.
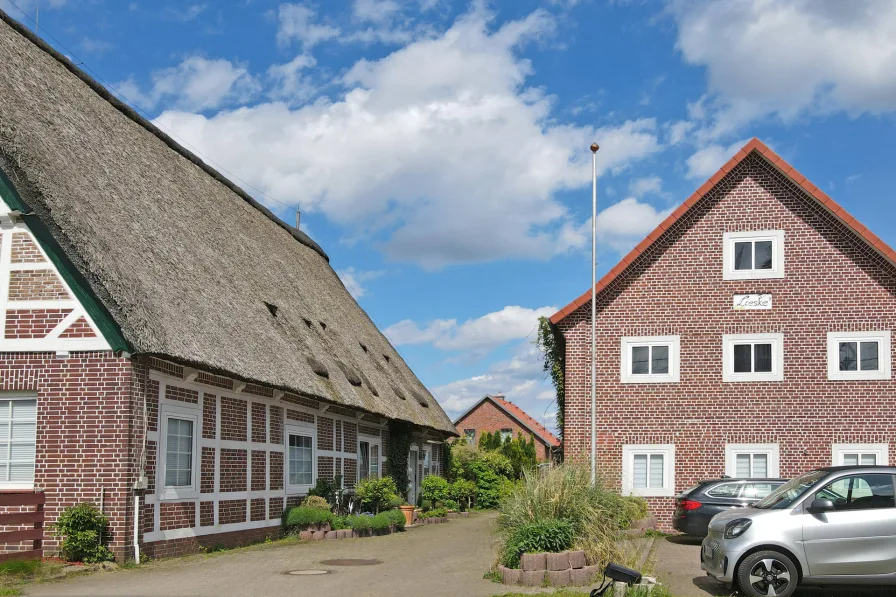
(133, 115)
(525, 417)
(761, 149)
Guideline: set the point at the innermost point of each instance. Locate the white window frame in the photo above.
(777, 271)
(629, 342)
(881, 451)
(13, 397)
(730, 340)
(306, 430)
(628, 467)
(184, 412)
(882, 337)
(370, 440)
(772, 451)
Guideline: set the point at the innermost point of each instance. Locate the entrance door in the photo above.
(413, 482)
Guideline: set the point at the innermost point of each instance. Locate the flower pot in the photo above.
(408, 512)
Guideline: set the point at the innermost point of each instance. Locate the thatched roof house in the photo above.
(186, 264)
(202, 355)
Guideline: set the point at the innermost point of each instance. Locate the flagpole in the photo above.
(594, 148)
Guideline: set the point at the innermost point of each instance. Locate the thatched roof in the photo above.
(187, 265)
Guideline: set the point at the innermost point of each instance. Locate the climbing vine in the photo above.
(399, 447)
(550, 342)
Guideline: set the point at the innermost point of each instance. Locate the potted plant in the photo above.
(408, 511)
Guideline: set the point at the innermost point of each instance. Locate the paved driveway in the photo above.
(434, 560)
(678, 566)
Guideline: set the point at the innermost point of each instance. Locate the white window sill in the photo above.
(650, 492)
(169, 494)
(753, 275)
(635, 379)
(744, 377)
(16, 487)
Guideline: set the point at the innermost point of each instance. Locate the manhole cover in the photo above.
(349, 562)
(308, 572)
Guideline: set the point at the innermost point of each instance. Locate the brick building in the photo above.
(748, 335)
(495, 414)
(171, 350)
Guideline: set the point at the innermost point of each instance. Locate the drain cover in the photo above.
(349, 562)
(308, 572)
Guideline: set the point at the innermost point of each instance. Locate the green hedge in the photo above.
(551, 536)
(299, 518)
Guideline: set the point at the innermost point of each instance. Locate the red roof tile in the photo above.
(771, 157)
(527, 421)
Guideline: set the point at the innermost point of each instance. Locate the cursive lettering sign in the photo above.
(752, 301)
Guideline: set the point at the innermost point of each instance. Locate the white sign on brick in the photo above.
(743, 302)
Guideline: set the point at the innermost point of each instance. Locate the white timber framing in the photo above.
(10, 225)
(165, 379)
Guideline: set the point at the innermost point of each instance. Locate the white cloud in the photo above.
(645, 186)
(188, 12)
(520, 378)
(789, 57)
(296, 22)
(197, 83)
(474, 335)
(291, 84)
(439, 148)
(28, 6)
(704, 162)
(619, 227)
(375, 11)
(355, 280)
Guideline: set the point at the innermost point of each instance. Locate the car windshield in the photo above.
(790, 492)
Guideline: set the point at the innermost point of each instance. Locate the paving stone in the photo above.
(558, 561)
(511, 576)
(533, 561)
(558, 578)
(577, 559)
(580, 577)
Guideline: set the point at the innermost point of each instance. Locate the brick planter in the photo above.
(567, 568)
(315, 535)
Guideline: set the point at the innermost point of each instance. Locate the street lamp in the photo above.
(594, 148)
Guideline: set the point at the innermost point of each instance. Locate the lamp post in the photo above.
(594, 148)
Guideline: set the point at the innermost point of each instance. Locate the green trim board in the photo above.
(76, 281)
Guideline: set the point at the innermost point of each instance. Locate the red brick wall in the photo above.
(83, 432)
(488, 417)
(35, 285)
(24, 250)
(33, 323)
(833, 283)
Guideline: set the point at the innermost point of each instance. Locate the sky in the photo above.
(438, 150)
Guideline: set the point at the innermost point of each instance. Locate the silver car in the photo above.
(835, 525)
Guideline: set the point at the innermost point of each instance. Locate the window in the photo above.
(301, 459)
(753, 255)
(648, 470)
(470, 435)
(506, 435)
(752, 357)
(752, 461)
(860, 454)
(725, 490)
(650, 359)
(859, 355)
(180, 434)
(368, 458)
(859, 492)
(18, 432)
(758, 491)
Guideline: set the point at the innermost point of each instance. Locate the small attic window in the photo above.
(307, 322)
(323, 325)
(421, 400)
(272, 308)
(399, 393)
(364, 348)
(388, 360)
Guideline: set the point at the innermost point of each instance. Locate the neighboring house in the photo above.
(496, 414)
(749, 335)
(171, 349)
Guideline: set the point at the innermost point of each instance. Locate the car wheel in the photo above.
(767, 573)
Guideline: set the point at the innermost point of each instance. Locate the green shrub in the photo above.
(550, 536)
(462, 491)
(84, 531)
(635, 508)
(435, 513)
(299, 518)
(565, 492)
(396, 517)
(340, 522)
(434, 489)
(376, 494)
(360, 523)
(315, 501)
(451, 505)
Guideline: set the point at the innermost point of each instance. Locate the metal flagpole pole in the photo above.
(594, 148)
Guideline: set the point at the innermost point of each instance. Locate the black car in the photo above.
(695, 507)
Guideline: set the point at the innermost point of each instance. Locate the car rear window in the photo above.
(758, 491)
(725, 490)
(688, 491)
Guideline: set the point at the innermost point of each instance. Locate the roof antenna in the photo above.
(298, 218)
(37, 17)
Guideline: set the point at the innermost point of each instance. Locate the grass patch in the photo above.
(10, 591)
(560, 593)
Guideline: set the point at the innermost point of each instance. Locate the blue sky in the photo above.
(439, 150)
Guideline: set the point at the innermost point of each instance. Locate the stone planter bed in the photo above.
(567, 568)
(326, 533)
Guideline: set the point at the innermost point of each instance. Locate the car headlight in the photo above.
(736, 528)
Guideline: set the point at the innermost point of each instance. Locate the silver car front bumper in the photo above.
(718, 557)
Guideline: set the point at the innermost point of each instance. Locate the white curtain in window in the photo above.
(18, 429)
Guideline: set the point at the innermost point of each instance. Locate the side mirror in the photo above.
(820, 505)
